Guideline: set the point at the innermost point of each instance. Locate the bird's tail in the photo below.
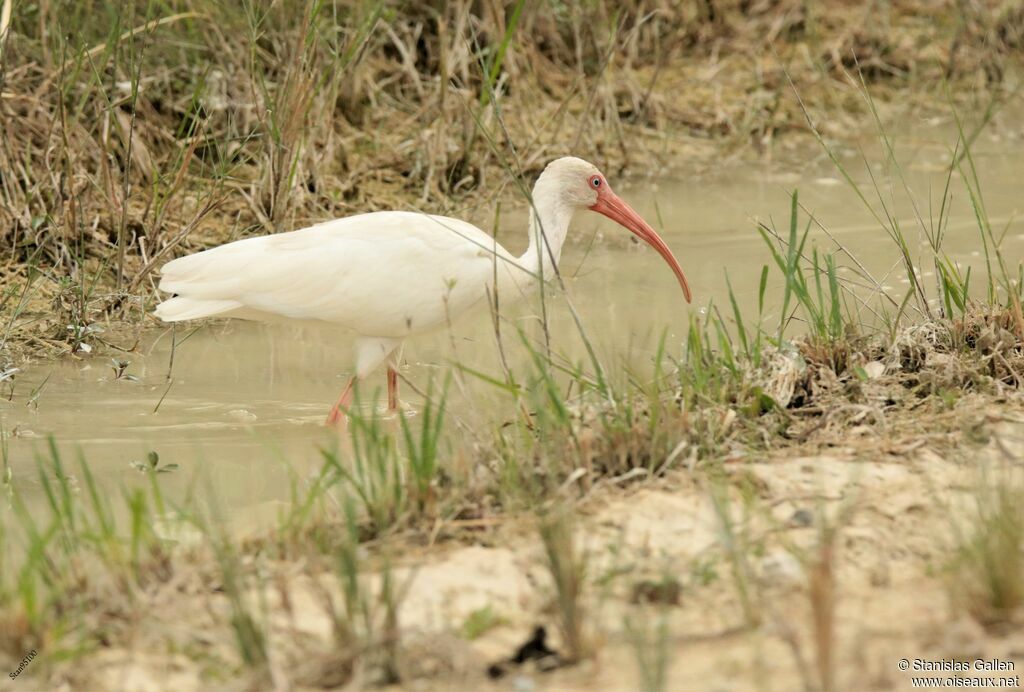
(180, 308)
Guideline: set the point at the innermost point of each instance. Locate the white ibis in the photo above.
(392, 274)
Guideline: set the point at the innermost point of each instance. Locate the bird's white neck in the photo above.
(550, 217)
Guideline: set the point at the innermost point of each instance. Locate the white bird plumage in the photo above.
(389, 275)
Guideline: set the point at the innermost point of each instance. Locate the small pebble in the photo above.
(240, 414)
(521, 683)
(780, 568)
(874, 369)
(802, 518)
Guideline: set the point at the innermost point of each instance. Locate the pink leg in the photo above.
(392, 389)
(337, 416)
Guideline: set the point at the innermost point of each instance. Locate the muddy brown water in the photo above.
(244, 409)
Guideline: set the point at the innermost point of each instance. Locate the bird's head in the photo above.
(581, 185)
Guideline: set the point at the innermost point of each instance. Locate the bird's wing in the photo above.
(380, 274)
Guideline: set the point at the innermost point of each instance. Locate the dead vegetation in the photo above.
(807, 394)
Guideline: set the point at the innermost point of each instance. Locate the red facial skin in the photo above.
(611, 205)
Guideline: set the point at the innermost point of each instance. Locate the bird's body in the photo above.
(331, 273)
(385, 275)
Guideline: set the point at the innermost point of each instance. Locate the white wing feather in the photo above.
(385, 274)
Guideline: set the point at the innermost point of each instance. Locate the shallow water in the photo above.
(245, 402)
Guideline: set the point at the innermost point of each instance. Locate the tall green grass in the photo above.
(391, 485)
(56, 545)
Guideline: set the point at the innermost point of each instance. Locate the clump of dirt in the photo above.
(924, 367)
(810, 391)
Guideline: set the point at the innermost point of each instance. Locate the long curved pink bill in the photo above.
(611, 205)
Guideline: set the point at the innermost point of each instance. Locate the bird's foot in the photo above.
(336, 419)
(400, 408)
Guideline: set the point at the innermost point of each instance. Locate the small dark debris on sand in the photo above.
(534, 649)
